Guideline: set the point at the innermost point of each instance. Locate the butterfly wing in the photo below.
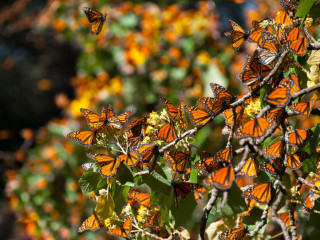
(233, 234)
(237, 35)
(250, 168)
(85, 138)
(197, 116)
(94, 121)
(254, 128)
(167, 132)
(171, 109)
(109, 165)
(221, 179)
(91, 223)
(124, 117)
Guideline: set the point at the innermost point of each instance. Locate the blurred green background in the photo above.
(51, 66)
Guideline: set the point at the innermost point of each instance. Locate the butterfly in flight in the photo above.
(96, 19)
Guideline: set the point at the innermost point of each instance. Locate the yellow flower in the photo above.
(253, 108)
(127, 210)
(142, 214)
(137, 56)
(204, 58)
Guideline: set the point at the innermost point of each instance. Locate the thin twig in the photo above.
(263, 222)
(206, 211)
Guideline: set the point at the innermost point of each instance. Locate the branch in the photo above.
(305, 182)
(263, 222)
(305, 91)
(206, 211)
(314, 46)
(293, 228)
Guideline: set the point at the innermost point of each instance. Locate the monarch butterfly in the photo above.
(285, 218)
(295, 79)
(198, 193)
(234, 234)
(124, 117)
(154, 221)
(268, 51)
(131, 158)
(275, 150)
(283, 18)
(302, 107)
(145, 151)
(94, 120)
(198, 117)
(207, 164)
(297, 43)
(87, 166)
(227, 114)
(295, 160)
(110, 117)
(138, 198)
(310, 200)
(224, 155)
(267, 167)
(177, 160)
(250, 168)
(182, 189)
(213, 106)
(299, 136)
(109, 165)
(92, 223)
(221, 179)
(96, 19)
(289, 5)
(254, 128)
(275, 115)
(85, 138)
(136, 130)
(256, 33)
(175, 114)
(253, 71)
(166, 133)
(124, 230)
(220, 92)
(237, 35)
(280, 96)
(262, 193)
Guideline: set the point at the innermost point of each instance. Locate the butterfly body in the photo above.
(96, 19)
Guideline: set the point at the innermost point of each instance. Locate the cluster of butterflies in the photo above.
(276, 35)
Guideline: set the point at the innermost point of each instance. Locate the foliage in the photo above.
(155, 53)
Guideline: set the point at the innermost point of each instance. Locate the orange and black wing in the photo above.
(137, 198)
(85, 138)
(207, 165)
(109, 165)
(124, 117)
(250, 168)
(124, 230)
(212, 105)
(302, 107)
(280, 96)
(182, 189)
(267, 167)
(219, 92)
(131, 158)
(274, 150)
(154, 221)
(221, 179)
(145, 151)
(94, 121)
(197, 116)
(234, 234)
(224, 155)
(254, 128)
(237, 35)
(96, 19)
(295, 160)
(111, 119)
(299, 136)
(171, 109)
(283, 18)
(177, 160)
(92, 223)
(262, 193)
(167, 132)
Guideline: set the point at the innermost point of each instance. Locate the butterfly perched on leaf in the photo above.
(108, 165)
(234, 234)
(237, 35)
(124, 230)
(85, 138)
(262, 193)
(221, 179)
(92, 223)
(96, 19)
(136, 198)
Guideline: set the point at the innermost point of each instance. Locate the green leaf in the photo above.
(187, 45)
(263, 92)
(157, 183)
(130, 20)
(89, 181)
(125, 176)
(193, 175)
(183, 212)
(304, 8)
(119, 198)
(315, 11)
